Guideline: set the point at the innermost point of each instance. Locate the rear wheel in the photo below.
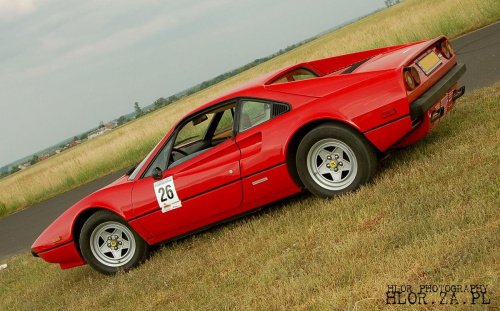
(109, 244)
(333, 159)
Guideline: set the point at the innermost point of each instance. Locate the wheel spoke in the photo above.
(119, 233)
(346, 166)
(337, 176)
(104, 248)
(125, 244)
(323, 154)
(117, 254)
(104, 235)
(322, 169)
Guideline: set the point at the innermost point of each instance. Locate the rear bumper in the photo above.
(435, 92)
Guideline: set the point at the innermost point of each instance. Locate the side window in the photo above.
(254, 113)
(225, 126)
(202, 133)
(193, 131)
(197, 135)
(295, 75)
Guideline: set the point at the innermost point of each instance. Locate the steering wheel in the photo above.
(184, 153)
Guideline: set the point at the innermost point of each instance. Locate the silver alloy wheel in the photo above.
(332, 164)
(112, 244)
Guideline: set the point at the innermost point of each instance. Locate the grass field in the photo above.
(408, 21)
(430, 216)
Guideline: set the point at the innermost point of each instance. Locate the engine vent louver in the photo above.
(355, 66)
(279, 109)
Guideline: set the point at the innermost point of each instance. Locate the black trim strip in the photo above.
(60, 245)
(186, 199)
(266, 169)
(145, 214)
(355, 66)
(435, 92)
(209, 190)
(384, 124)
(196, 195)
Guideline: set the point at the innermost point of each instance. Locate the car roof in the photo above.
(251, 87)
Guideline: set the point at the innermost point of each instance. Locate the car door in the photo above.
(201, 180)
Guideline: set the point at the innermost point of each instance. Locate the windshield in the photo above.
(140, 165)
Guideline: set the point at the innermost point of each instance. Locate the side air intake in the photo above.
(279, 109)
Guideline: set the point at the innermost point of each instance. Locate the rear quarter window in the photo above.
(296, 75)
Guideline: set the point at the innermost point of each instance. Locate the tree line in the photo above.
(162, 102)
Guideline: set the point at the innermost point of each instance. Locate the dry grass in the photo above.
(409, 21)
(430, 217)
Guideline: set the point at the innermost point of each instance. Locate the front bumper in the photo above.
(66, 255)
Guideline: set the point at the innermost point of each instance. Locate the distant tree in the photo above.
(122, 120)
(3, 174)
(101, 124)
(160, 102)
(14, 169)
(172, 99)
(34, 159)
(138, 110)
(84, 136)
(75, 138)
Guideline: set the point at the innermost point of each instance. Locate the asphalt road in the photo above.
(479, 50)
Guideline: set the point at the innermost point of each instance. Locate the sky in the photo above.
(67, 65)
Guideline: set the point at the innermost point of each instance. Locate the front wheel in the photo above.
(109, 244)
(333, 159)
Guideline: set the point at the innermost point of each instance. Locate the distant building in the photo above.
(23, 166)
(111, 125)
(98, 132)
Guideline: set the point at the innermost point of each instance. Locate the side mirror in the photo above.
(157, 173)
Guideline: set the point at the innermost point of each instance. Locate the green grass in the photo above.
(408, 21)
(430, 216)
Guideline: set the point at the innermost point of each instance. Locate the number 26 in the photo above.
(166, 191)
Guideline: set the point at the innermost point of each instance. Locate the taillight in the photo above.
(446, 49)
(450, 47)
(415, 75)
(412, 78)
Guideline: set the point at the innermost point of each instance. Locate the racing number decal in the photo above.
(166, 195)
(168, 191)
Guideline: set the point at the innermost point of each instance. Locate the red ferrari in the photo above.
(318, 125)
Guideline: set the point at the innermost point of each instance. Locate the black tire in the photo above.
(333, 159)
(109, 244)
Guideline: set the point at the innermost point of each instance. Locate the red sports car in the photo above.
(318, 125)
